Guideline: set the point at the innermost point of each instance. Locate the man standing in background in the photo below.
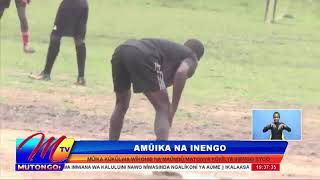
(21, 10)
(70, 21)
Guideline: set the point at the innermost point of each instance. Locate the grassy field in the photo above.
(247, 64)
(245, 59)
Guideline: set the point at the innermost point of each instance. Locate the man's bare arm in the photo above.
(184, 71)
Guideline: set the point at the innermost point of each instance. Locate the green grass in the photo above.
(245, 58)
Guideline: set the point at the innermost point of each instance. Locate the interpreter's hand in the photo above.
(281, 126)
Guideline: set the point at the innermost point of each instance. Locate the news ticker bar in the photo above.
(180, 158)
(115, 167)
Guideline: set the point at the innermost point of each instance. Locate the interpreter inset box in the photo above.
(277, 124)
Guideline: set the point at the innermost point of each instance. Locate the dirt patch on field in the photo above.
(86, 117)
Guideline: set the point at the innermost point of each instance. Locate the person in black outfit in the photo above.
(276, 128)
(152, 65)
(71, 21)
(21, 6)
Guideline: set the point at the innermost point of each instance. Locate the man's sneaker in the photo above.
(41, 76)
(81, 81)
(28, 50)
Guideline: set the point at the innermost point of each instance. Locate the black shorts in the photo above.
(4, 4)
(71, 19)
(130, 65)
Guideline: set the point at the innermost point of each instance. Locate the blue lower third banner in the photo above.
(37, 153)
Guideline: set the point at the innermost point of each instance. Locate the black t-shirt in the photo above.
(169, 54)
(276, 133)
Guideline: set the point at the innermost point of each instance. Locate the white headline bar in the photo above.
(116, 167)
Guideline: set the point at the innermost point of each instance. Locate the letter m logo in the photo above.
(48, 144)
